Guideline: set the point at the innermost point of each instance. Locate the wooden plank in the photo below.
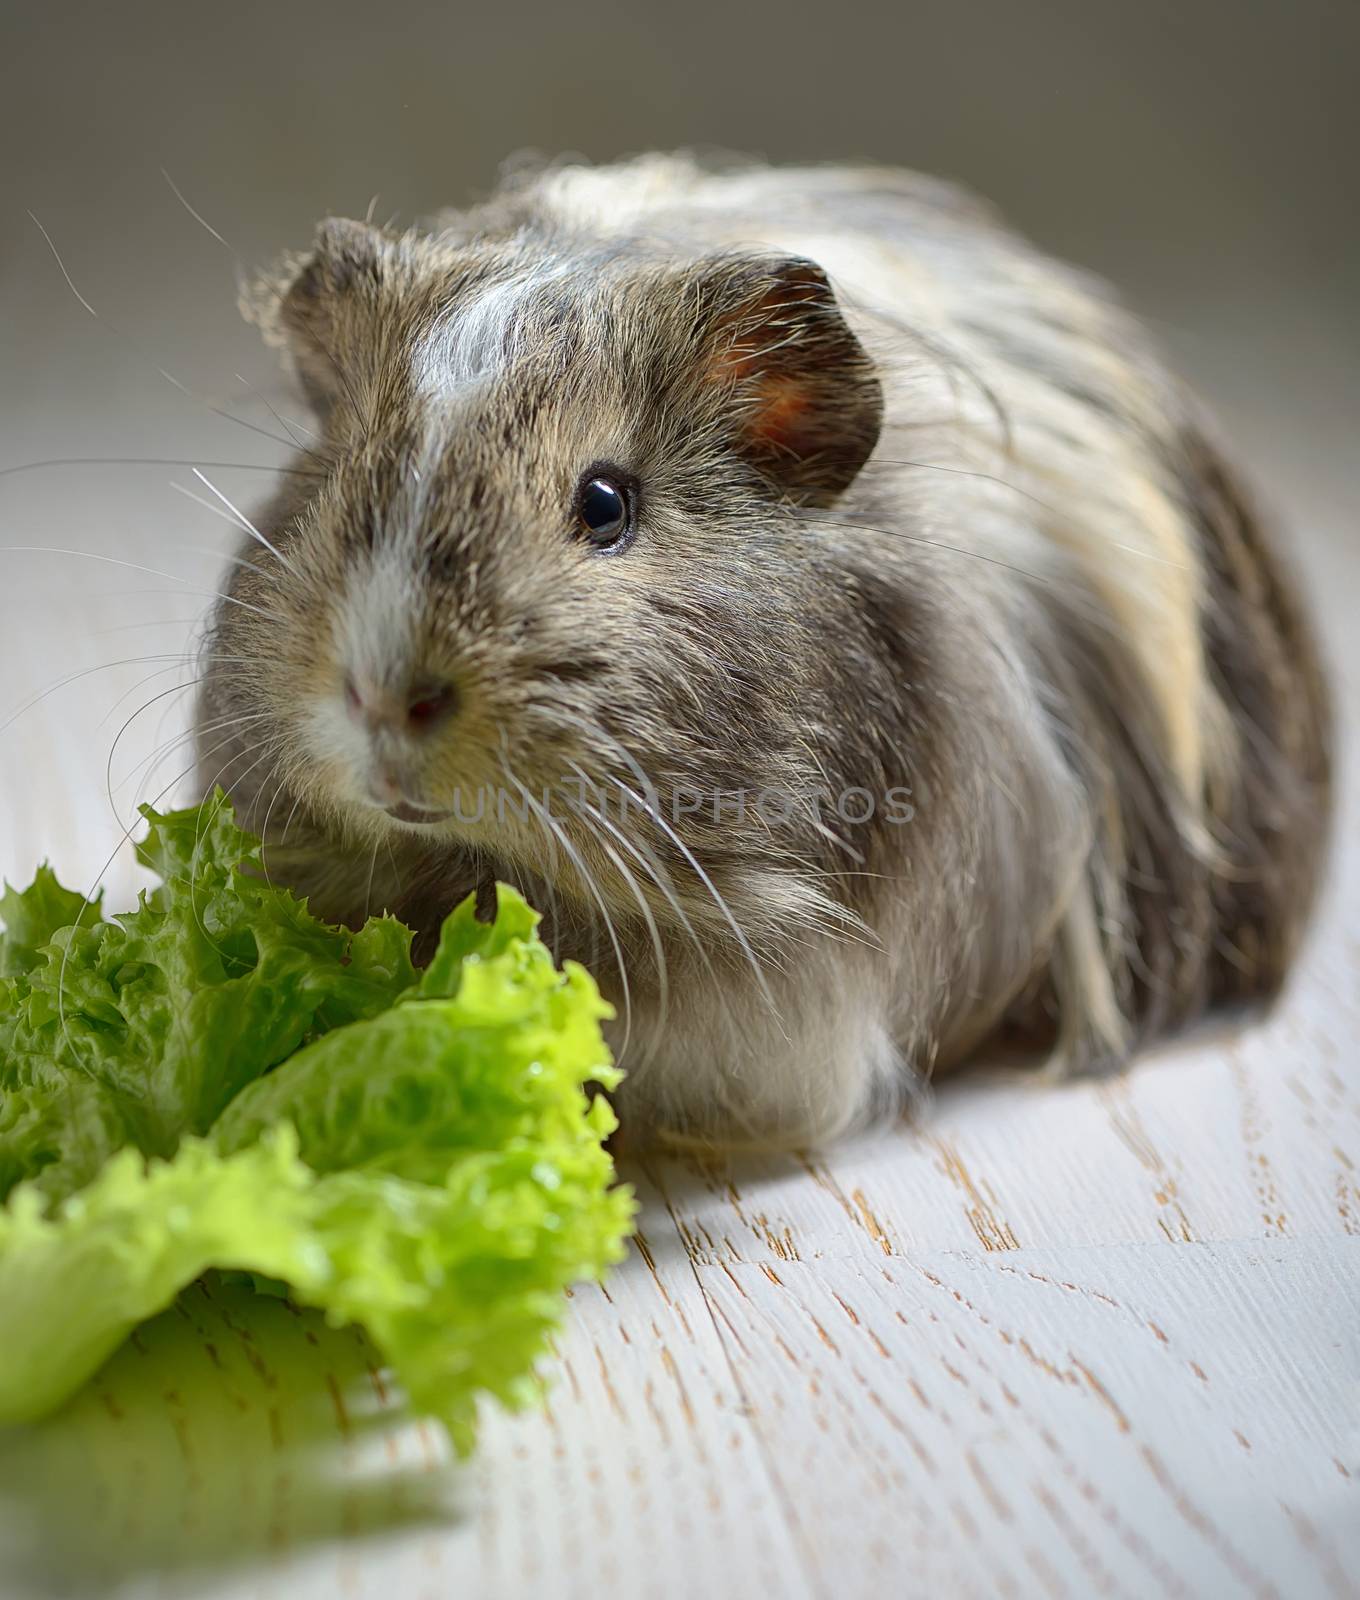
(1132, 1420)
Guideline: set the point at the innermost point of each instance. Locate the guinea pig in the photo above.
(825, 608)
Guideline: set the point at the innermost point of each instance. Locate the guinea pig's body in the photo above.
(849, 666)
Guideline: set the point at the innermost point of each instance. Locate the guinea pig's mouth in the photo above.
(418, 816)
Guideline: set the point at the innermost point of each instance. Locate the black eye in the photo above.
(604, 512)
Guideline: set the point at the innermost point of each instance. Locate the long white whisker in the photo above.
(657, 872)
(724, 909)
(248, 526)
(594, 732)
(168, 747)
(399, 884)
(548, 877)
(658, 948)
(61, 267)
(283, 842)
(264, 832)
(178, 688)
(131, 627)
(212, 594)
(372, 869)
(202, 221)
(134, 566)
(587, 878)
(152, 461)
(231, 522)
(292, 428)
(168, 376)
(183, 661)
(74, 677)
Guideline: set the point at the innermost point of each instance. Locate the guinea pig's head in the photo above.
(554, 530)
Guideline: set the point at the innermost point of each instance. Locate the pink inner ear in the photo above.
(796, 381)
(780, 414)
(781, 403)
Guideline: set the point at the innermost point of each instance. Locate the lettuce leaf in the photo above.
(226, 1082)
(141, 1029)
(30, 919)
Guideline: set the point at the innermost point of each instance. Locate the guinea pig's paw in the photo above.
(838, 1071)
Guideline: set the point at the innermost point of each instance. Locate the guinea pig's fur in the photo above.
(918, 516)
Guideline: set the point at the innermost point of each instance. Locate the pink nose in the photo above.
(421, 707)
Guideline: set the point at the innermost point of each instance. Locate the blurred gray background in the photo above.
(1202, 153)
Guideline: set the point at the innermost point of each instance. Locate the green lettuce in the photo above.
(141, 1029)
(217, 1079)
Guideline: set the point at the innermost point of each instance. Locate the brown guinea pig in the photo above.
(825, 608)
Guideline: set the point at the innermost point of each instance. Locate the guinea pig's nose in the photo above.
(430, 703)
(423, 706)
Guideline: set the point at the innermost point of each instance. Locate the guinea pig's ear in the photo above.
(327, 312)
(808, 402)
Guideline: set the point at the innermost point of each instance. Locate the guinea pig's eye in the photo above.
(604, 511)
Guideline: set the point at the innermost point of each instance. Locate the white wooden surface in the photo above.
(1091, 1339)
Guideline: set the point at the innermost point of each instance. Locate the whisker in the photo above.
(647, 858)
(202, 221)
(168, 747)
(230, 416)
(933, 544)
(155, 699)
(169, 377)
(372, 868)
(547, 822)
(200, 831)
(724, 909)
(152, 461)
(963, 472)
(61, 268)
(231, 522)
(160, 751)
(248, 526)
(74, 677)
(177, 666)
(399, 883)
(209, 594)
(264, 827)
(654, 933)
(595, 732)
(134, 566)
(283, 842)
(359, 411)
(291, 428)
(548, 877)
(159, 622)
